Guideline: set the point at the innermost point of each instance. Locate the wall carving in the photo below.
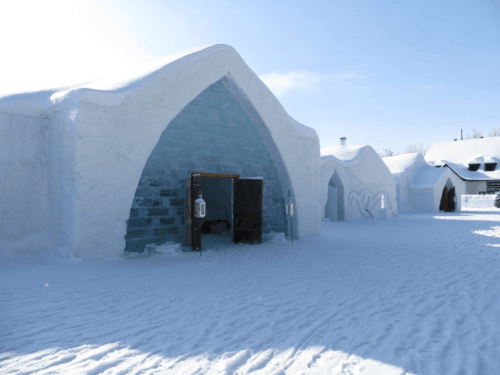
(366, 199)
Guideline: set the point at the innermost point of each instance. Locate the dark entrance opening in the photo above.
(451, 200)
(443, 205)
(448, 199)
(247, 210)
(334, 208)
(234, 209)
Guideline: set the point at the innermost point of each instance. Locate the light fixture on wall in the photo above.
(290, 211)
(200, 207)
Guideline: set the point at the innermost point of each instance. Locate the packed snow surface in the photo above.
(415, 295)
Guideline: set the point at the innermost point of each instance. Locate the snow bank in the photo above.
(478, 201)
(414, 295)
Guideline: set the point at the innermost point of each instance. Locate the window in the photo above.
(474, 167)
(489, 167)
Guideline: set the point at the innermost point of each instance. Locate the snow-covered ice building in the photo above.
(355, 183)
(474, 161)
(420, 187)
(103, 168)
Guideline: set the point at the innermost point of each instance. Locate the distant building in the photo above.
(420, 187)
(355, 184)
(474, 161)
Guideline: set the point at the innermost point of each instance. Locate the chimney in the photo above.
(461, 134)
(342, 141)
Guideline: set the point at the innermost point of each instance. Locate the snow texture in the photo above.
(414, 295)
(71, 159)
(419, 185)
(459, 154)
(364, 179)
(474, 201)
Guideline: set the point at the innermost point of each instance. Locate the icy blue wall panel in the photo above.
(211, 134)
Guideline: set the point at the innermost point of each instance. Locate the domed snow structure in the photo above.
(104, 167)
(355, 183)
(421, 187)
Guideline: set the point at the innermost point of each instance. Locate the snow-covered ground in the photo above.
(417, 294)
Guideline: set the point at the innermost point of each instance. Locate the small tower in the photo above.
(342, 141)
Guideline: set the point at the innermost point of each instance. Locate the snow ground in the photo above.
(417, 294)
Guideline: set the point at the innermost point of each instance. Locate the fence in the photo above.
(477, 201)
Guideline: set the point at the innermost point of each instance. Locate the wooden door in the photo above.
(247, 210)
(189, 221)
(444, 200)
(451, 202)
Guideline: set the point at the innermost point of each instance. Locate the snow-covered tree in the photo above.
(495, 132)
(497, 200)
(475, 134)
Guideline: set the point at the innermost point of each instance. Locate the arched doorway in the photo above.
(213, 134)
(334, 208)
(448, 198)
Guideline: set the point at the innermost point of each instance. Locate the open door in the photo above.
(247, 210)
(443, 206)
(451, 200)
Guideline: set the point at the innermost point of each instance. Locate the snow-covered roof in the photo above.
(403, 164)
(416, 168)
(477, 160)
(491, 160)
(119, 82)
(459, 154)
(115, 89)
(479, 175)
(346, 154)
(426, 176)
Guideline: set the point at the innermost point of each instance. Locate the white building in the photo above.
(420, 187)
(100, 168)
(355, 183)
(474, 161)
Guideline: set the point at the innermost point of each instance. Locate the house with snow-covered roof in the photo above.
(420, 187)
(117, 164)
(475, 161)
(355, 183)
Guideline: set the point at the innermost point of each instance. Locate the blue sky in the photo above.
(386, 73)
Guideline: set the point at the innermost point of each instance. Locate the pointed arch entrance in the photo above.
(448, 197)
(334, 208)
(214, 134)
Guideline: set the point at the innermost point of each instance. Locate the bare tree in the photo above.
(414, 148)
(387, 152)
(495, 132)
(475, 134)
